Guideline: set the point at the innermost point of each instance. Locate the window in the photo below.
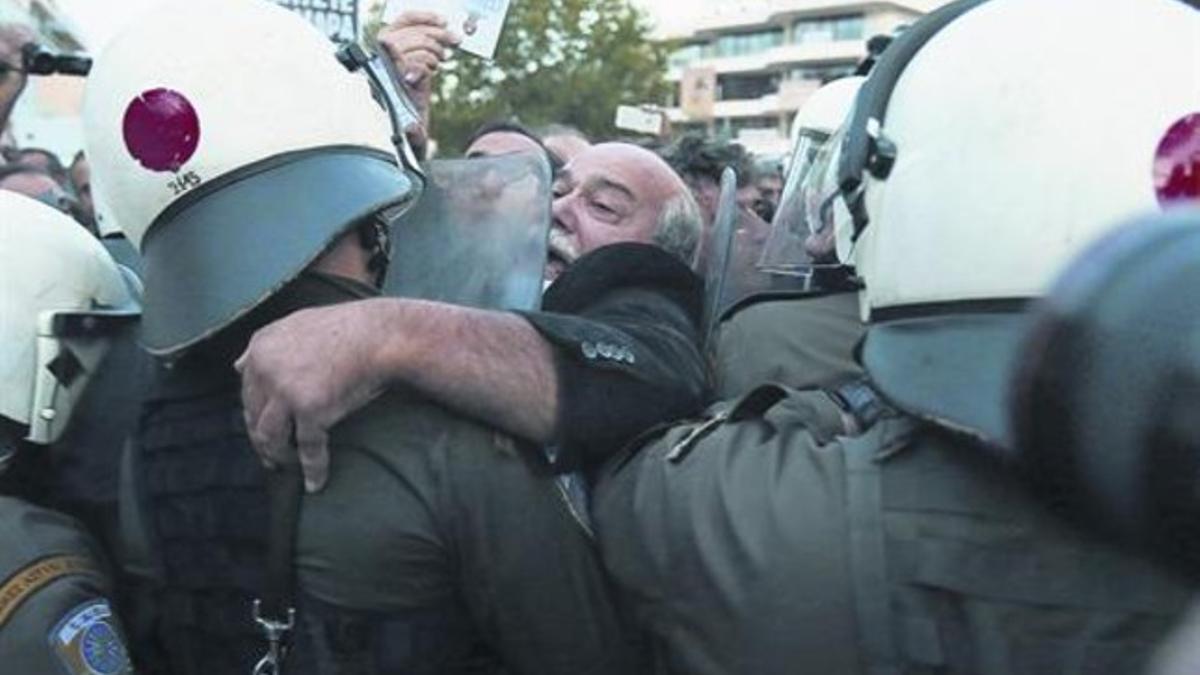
(739, 124)
(742, 87)
(828, 29)
(821, 74)
(740, 44)
(685, 55)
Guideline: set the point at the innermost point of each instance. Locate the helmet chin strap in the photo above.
(375, 237)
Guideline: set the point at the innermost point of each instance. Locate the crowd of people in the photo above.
(294, 398)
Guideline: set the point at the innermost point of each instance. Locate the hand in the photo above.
(417, 43)
(302, 375)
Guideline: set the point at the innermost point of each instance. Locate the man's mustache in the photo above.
(560, 245)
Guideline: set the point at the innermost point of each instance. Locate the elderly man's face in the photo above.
(613, 192)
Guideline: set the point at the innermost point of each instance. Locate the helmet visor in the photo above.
(802, 233)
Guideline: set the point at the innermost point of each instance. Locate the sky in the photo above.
(100, 19)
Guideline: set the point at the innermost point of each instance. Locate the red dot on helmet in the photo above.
(1177, 162)
(161, 129)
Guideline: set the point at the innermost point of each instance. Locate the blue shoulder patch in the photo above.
(88, 641)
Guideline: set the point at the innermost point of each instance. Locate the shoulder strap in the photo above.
(275, 612)
(137, 558)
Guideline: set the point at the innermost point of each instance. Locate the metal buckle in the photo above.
(275, 631)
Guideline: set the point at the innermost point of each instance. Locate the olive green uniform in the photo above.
(439, 545)
(797, 340)
(767, 545)
(55, 613)
(757, 540)
(427, 515)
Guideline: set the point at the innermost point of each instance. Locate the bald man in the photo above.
(445, 489)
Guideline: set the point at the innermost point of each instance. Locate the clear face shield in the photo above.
(478, 235)
(803, 235)
(734, 245)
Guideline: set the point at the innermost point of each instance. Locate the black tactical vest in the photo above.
(202, 495)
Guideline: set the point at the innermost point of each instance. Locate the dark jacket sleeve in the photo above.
(624, 321)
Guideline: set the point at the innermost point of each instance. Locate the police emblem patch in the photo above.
(88, 642)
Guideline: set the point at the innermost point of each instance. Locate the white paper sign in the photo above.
(640, 120)
(477, 22)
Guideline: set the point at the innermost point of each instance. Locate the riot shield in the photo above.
(716, 246)
(477, 236)
(734, 246)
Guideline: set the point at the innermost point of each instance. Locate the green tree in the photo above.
(558, 61)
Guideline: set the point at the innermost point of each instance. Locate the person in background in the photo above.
(58, 611)
(501, 137)
(700, 161)
(43, 160)
(36, 183)
(770, 189)
(80, 175)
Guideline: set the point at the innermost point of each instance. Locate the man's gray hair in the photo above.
(679, 226)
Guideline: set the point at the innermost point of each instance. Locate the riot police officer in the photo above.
(762, 541)
(787, 311)
(63, 301)
(253, 198)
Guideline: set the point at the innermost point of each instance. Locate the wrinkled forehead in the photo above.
(638, 171)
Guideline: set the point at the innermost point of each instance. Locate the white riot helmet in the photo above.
(61, 299)
(233, 148)
(992, 141)
(823, 112)
(802, 229)
(106, 222)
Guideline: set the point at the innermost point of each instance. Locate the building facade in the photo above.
(742, 72)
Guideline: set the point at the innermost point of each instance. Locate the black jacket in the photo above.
(625, 321)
